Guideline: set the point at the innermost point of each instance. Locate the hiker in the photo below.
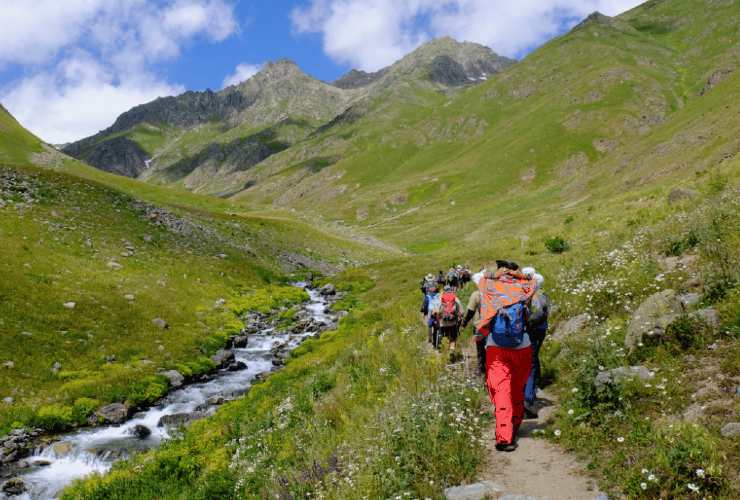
(463, 275)
(440, 279)
(471, 313)
(429, 305)
(426, 283)
(451, 279)
(504, 295)
(449, 315)
(539, 310)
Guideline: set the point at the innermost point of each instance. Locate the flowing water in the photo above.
(82, 452)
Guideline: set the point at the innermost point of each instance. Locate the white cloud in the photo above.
(370, 34)
(88, 61)
(78, 98)
(241, 72)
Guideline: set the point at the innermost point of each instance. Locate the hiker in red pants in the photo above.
(503, 309)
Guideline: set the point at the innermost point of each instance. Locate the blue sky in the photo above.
(69, 68)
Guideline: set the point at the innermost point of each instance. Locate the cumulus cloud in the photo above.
(87, 61)
(79, 97)
(241, 72)
(370, 34)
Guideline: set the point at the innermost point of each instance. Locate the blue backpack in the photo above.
(508, 326)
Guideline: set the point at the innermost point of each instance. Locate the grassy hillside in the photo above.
(593, 112)
(89, 261)
(586, 141)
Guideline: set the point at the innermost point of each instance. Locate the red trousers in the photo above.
(507, 371)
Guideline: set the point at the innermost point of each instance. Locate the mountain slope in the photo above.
(198, 138)
(576, 118)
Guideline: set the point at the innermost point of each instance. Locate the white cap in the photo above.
(528, 272)
(539, 280)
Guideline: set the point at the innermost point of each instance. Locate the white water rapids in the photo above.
(85, 451)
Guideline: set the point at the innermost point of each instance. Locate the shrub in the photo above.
(556, 244)
(54, 418)
(83, 408)
(687, 332)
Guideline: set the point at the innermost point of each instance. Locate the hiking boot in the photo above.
(507, 447)
(530, 412)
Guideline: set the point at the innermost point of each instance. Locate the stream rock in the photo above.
(328, 290)
(141, 431)
(179, 419)
(237, 366)
(14, 486)
(114, 413)
(223, 358)
(17, 444)
(176, 378)
(238, 341)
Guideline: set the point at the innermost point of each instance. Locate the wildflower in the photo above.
(692, 487)
(652, 477)
(643, 486)
(574, 390)
(700, 473)
(645, 471)
(620, 439)
(570, 412)
(557, 432)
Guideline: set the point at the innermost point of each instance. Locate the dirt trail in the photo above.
(537, 469)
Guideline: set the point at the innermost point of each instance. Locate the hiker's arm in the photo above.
(468, 316)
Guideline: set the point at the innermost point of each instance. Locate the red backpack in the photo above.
(449, 311)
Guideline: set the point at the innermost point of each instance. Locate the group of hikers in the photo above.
(509, 312)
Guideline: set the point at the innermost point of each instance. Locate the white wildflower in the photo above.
(620, 439)
(692, 487)
(571, 412)
(652, 477)
(643, 486)
(557, 433)
(700, 473)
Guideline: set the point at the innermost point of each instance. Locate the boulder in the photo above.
(571, 326)
(8, 400)
(237, 366)
(140, 431)
(179, 419)
(328, 289)
(70, 305)
(689, 299)
(176, 378)
(710, 316)
(475, 491)
(42, 463)
(160, 323)
(114, 413)
(223, 358)
(114, 265)
(14, 486)
(680, 194)
(9, 364)
(652, 317)
(216, 400)
(56, 367)
(129, 296)
(619, 375)
(730, 429)
(238, 341)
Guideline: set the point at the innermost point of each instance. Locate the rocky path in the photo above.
(537, 470)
